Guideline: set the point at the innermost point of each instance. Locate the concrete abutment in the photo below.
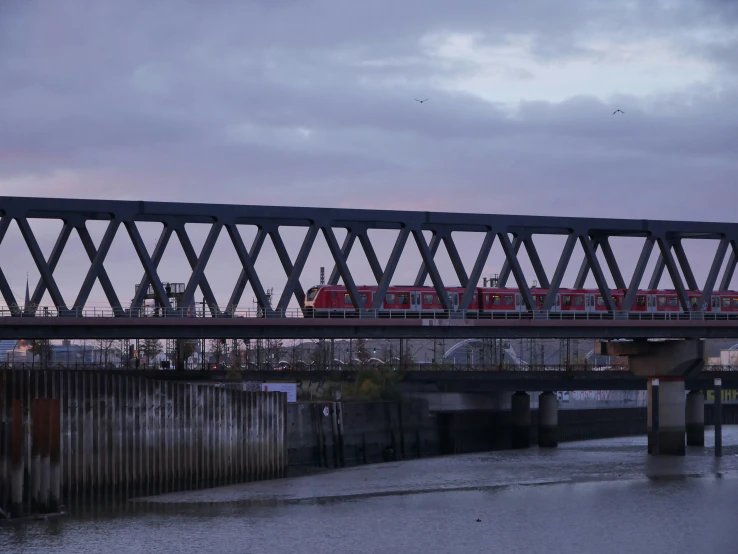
(695, 419)
(548, 420)
(521, 420)
(671, 417)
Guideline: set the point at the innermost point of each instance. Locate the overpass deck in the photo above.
(674, 326)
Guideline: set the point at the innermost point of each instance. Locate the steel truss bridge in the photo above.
(513, 232)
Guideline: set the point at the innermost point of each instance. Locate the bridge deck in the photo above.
(305, 328)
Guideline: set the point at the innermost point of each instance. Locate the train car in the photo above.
(403, 301)
(398, 300)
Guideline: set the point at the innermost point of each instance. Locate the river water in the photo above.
(604, 496)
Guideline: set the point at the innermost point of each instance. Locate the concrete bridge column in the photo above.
(520, 420)
(672, 415)
(548, 420)
(695, 419)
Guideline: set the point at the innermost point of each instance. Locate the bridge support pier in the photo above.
(548, 420)
(695, 419)
(520, 405)
(672, 414)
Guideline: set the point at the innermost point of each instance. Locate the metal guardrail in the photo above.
(303, 367)
(215, 312)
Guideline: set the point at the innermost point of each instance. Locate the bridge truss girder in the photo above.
(589, 233)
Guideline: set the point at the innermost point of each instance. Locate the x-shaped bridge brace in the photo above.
(591, 234)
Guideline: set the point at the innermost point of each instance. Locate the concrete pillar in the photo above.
(520, 420)
(672, 415)
(548, 420)
(695, 418)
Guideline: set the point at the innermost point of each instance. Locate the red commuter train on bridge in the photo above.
(486, 302)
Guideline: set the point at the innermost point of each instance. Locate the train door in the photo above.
(415, 301)
(453, 301)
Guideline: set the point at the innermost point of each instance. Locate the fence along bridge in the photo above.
(511, 232)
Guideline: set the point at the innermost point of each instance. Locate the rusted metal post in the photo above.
(16, 460)
(43, 447)
(54, 455)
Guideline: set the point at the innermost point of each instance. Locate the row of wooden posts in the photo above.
(72, 437)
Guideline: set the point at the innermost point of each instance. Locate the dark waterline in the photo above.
(597, 496)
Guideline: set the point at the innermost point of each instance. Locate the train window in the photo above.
(578, 301)
(726, 302)
(566, 301)
(508, 300)
(735, 302)
(403, 298)
(428, 299)
(518, 301)
(662, 301)
(496, 300)
(389, 298)
(641, 301)
(558, 300)
(474, 298)
(673, 302)
(347, 300)
(586, 300)
(312, 293)
(363, 298)
(715, 302)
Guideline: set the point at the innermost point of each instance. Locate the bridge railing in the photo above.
(252, 313)
(303, 367)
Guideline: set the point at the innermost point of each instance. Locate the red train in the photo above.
(486, 302)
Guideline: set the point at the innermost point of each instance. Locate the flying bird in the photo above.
(616, 111)
(421, 101)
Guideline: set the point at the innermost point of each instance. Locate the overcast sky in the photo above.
(311, 103)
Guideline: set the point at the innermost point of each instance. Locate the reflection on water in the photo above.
(597, 496)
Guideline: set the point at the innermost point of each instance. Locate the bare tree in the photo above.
(152, 348)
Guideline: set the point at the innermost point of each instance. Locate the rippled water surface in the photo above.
(598, 496)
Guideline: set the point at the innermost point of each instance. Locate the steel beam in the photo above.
(102, 276)
(453, 254)
(293, 271)
(423, 271)
(506, 267)
(343, 269)
(658, 272)
(553, 289)
(148, 264)
(161, 245)
(371, 256)
(638, 272)
(348, 243)
(307, 328)
(535, 260)
(489, 239)
(512, 261)
(612, 263)
(56, 252)
(430, 266)
(389, 272)
(96, 267)
(684, 264)
(43, 268)
(730, 267)
(247, 262)
(671, 267)
(594, 265)
(198, 263)
(712, 275)
(5, 289)
(244, 277)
